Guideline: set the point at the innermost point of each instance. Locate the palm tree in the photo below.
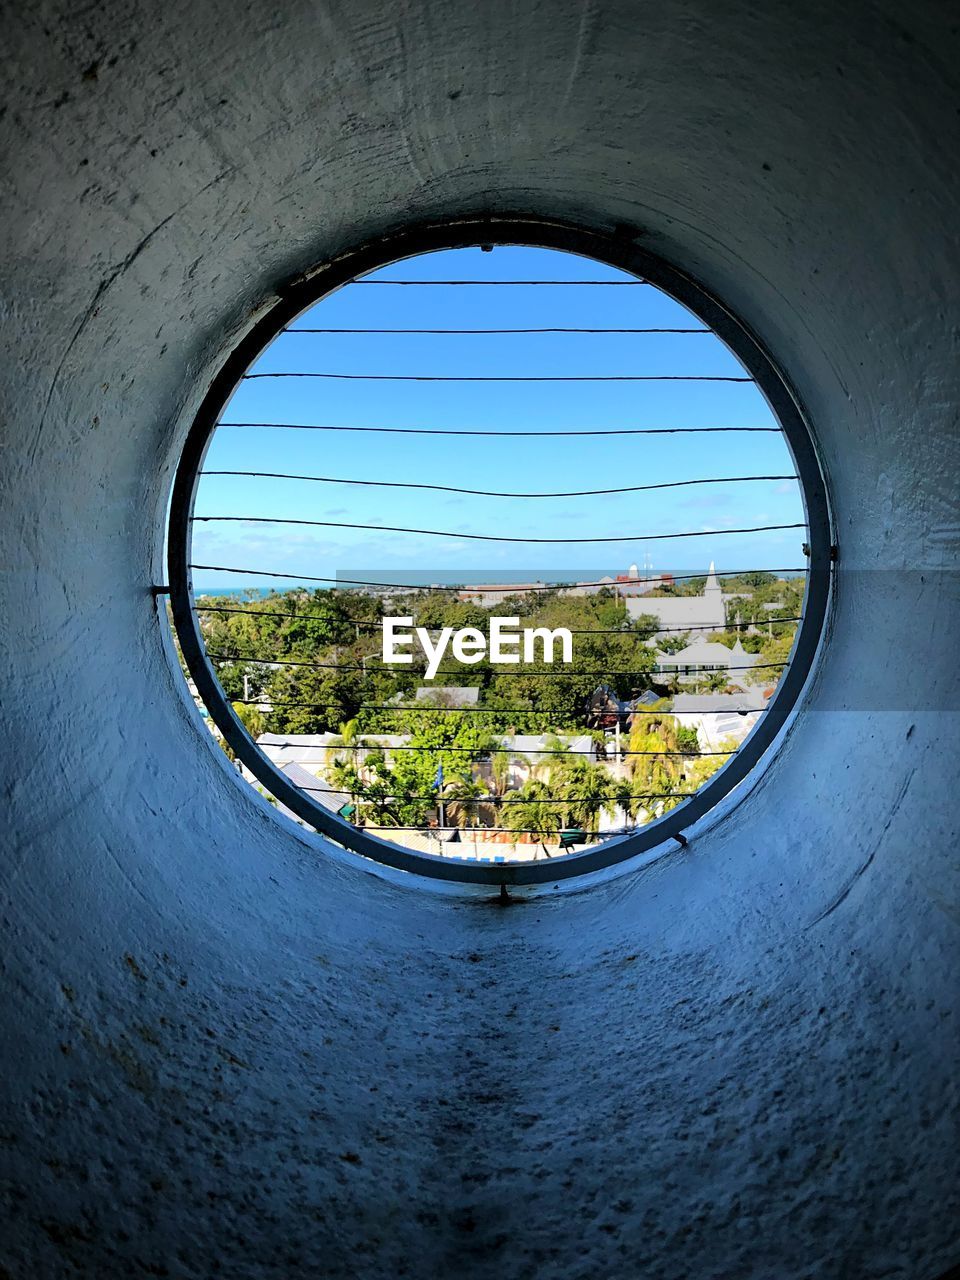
(460, 799)
(651, 772)
(626, 799)
(341, 770)
(584, 791)
(499, 785)
(499, 772)
(533, 809)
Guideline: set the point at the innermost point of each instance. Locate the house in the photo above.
(528, 750)
(703, 657)
(702, 613)
(308, 750)
(605, 708)
(719, 718)
(489, 594)
(311, 752)
(630, 583)
(338, 802)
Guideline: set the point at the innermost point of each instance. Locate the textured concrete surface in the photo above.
(227, 1051)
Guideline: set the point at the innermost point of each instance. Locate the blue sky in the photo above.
(526, 464)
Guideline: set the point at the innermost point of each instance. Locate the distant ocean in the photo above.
(443, 577)
(236, 591)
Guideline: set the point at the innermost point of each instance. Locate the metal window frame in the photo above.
(615, 250)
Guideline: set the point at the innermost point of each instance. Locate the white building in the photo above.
(295, 753)
(489, 594)
(703, 613)
(703, 658)
(528, 750)
(719, 718)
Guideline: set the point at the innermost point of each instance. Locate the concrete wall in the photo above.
(227, 1052)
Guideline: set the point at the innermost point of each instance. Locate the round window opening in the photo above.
(498, 554)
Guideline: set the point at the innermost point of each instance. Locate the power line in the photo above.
(453, 671)
(463, 711)
(548, 801)
(463, 589)
(490, 537)
(489, 493)
(493, 750)
(477, 377)
(438, 431)
(557, 329)
(574, 631)
(615, 284)
(544, 833)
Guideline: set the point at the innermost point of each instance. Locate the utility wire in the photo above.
(463, 711)
(453, 671)
(545, 836)
(466, 590)
(574, 631)
(493, 493)
(439, 431)
(490, 537)
(491, 751)
(471, 377)
(551, 801)
(616, 284)
(500, 331)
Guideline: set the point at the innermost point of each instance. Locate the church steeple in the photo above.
(711, 584)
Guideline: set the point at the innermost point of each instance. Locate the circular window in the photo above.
(498, 553)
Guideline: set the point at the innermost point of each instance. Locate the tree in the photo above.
(590, 790)
(564, 790)
(672, 642)
(461, 802)
(402, 792)
(687, 739)
(250, 718)
(313, 699)
(532, 809)
(653, 774)
(776, 650)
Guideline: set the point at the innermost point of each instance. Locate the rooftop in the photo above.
(704, 703)
(707, 653)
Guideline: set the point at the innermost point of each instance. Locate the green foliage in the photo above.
(400, 791)
(774, 649)
(784, 596)
(321, 669)
(748, 581)
(332, 629)
(563, 791)
(250, 718)
(672, 642)
(666, 779)
(751, 641)
(687, 739)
